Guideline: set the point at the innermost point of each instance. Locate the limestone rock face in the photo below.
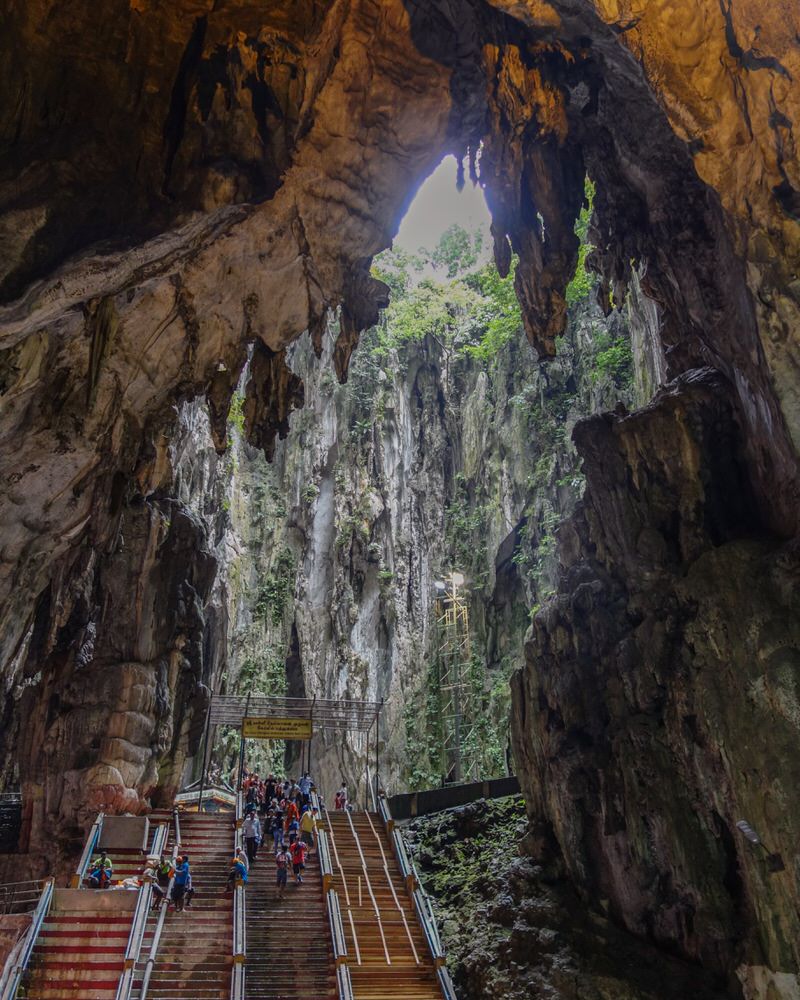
(657, 706)
(114, 675)
(426, 461)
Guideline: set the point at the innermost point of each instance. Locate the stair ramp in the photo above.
(385, 940)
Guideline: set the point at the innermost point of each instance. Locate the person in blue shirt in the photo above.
(305, 785)
(100, 872)
(181, 883)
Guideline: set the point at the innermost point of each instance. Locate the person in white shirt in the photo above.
(251, 831)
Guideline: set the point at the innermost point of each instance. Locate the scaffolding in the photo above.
(460, 708)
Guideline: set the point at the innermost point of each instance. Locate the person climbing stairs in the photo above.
(387, 953)
(194, 955)
(289, 952)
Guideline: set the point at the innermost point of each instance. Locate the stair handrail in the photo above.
(384, 812)
(13, 973)
(446, 983)
(324, 855)
(239, 942)
(139, 923)
(162, 913)
(337, 927)
(176, 826)
(407, 869)
(344, 983)
(88, 850)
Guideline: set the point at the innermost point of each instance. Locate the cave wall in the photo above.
(657, 705)
(111, 685)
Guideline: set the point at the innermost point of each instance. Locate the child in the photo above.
(282, 862)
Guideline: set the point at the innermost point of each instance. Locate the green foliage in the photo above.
(457, 251)
(465, 526)
(583, 281)
(498, 315)
(276, 589)
(310, 493)
(473, 311)
(534, 556)
(613, 360)
(236, 412)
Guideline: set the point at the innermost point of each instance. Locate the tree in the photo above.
(457, 250)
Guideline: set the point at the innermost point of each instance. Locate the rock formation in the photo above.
(425, 462)
(179, 182)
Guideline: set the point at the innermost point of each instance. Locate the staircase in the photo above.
(80, 950)
(289, 954)
(157, 817)
(387, 953)
(194, 955)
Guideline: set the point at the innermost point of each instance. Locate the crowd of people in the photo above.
(280, 810)
(158, 872)
(276, 809)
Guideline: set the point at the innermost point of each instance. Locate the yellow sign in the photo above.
(276, 729)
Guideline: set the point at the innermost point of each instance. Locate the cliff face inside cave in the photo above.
(180, 181)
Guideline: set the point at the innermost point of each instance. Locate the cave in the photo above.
(221, 474)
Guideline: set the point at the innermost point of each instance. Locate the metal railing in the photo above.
(14, 972)
(162, 912)
(239, 913)
(407, 869)
(423, 906)
(20, 897)
(140, 915)
(446, 983)
(337, 927)
(344, 984)
(324, 855)
(176, 826)
(88, 850)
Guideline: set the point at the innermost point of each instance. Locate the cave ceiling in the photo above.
(178, 181)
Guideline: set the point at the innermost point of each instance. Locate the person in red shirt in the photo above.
(298, 851)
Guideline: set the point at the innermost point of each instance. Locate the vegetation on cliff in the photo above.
(514, 928)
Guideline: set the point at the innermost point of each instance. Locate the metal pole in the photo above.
(241, 744)
(366, 767)
(311, 738)
(205, 753)
(378, 748)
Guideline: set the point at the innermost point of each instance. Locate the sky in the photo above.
(438, 205)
